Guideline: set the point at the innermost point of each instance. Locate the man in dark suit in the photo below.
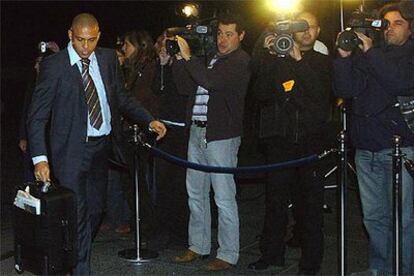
(80, 91)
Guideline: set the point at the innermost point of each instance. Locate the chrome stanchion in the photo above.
(342, 212)
(137, 254)
(397, 181)
(342, 196)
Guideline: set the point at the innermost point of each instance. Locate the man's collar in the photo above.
(74, 57)
(227, 55)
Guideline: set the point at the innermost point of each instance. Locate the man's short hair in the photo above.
(391, 7)
(297, 16)
(232, 18)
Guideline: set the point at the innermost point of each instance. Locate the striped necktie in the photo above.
(92, 99)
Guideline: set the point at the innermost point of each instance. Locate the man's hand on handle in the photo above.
(42, 172)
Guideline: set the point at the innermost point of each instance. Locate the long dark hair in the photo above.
(144, 54)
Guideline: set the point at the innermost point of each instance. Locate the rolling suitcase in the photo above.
(45, 229)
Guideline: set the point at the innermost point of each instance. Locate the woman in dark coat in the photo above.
(140, 60)
(139, 70)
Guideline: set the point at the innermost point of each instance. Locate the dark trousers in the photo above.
(145, 184)
(172, 200)
(90, 196)
(304, 188)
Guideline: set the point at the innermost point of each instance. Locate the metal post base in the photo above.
(130, 255)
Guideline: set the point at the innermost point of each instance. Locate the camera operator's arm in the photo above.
(313, 77)
(231, 76)
(260, 52)
(349, 74)
(398, 77)
(395, 74)
(295, 52)
(182, 79)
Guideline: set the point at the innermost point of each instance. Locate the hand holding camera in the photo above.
(280, 41)
(366, 42)
(363, 42)
(185, 50)
(272, 38)
(269, 41)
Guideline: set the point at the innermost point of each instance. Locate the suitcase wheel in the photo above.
(18, 269)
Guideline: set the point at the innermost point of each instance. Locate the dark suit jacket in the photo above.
(59, 97)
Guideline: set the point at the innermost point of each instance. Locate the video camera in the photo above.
(361, 22)
(200, 38)
(284, 31)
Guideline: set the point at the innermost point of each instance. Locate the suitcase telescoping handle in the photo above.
(45, 187)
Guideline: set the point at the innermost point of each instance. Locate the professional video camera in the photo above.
(284, 31)
(200, 38)
(365, 23)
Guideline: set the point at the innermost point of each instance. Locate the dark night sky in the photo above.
(25, 23)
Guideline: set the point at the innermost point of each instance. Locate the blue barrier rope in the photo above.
(241, 170)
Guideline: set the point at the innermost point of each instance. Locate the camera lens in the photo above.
(172, 47)
(283, 44)
(348, 41)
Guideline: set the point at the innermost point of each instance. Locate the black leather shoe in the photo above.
(259, 265)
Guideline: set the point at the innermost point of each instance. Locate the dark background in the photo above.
(25, 23)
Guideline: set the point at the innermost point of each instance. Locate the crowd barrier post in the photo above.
(342, 199)
(397, 210)
(137, 254)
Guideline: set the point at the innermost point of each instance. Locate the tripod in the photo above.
(137, 254)
(350, 167)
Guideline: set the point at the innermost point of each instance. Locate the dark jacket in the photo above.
(59, 97)
(226, 83)
(373, 81)
(300, 113)
(140, 88)
(172, 105)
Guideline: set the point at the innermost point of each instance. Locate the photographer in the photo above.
(364, 77)
(171, 206)
(292, 94)
(214, 116)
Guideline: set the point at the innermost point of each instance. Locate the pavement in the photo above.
(105, 260)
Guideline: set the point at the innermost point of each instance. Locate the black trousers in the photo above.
(172, 201)
(304, 188)
(90, 196)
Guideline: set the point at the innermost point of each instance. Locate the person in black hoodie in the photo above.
(171, 206)
(293, 100)
(375, 79)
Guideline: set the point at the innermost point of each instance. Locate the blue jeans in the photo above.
(374, 172)
(221, 153)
